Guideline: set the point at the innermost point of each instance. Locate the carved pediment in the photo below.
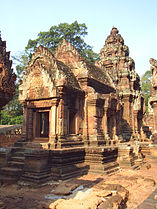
(69, 55)
(42, 76)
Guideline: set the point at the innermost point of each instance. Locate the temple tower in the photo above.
(7, 77)
(116, 61)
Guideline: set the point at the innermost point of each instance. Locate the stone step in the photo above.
(35, 177)
(8, 179)
(20, 144)
(16, 164)
(18, 159)
(11, 171)
(71, 174)
(98, 157)
(18, 154)
(104, 168)
(18, 149)
(69, 144)
(106, 171)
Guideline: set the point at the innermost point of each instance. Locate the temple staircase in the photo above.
(15, 164)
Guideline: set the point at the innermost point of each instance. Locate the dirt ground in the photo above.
(140, 184)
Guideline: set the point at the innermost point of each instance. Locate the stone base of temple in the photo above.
(153, 150)
(68, 163)
(34, 162)
(102, 159)
(36, 165)
(72, 140)
(154, 138)
(145, 149)
(66, 144)
(129, 155)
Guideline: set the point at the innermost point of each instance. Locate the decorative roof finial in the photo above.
(114, 31)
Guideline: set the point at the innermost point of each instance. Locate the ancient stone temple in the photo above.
(7, 77)
(75, 113)
(151, 119)
(116, 62)
(66, 97)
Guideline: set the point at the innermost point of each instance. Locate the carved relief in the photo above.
(153, 63)
(7, 77)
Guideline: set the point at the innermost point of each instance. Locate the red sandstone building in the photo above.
(69, 100)
(75, 113)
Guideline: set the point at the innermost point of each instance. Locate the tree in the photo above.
(73, 33)
(146, 86)
(21, 61)
(12, 112)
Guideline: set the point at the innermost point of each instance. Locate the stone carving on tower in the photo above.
(7, 77)
(153, 100)
(116, 61)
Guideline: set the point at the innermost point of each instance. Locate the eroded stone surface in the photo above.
(7, 77)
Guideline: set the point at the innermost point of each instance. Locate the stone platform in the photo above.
(36, 163)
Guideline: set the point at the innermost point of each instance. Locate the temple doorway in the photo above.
(72, 115)
(42, 125)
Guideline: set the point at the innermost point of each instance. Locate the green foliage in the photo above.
(73, 33)
(7, 119)
(22, 61)
(146, 86)
(12, 112)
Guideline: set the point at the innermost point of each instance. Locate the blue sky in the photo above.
(21, 20)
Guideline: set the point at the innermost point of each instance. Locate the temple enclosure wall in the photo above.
(9, 134)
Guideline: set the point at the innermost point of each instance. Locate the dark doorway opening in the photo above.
(44, 124)
(72, 122)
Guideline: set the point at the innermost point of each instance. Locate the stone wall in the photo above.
(9, 134)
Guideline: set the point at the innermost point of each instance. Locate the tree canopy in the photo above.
(73, 33)
(12, 112)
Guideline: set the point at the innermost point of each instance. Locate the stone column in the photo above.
(24, 124)
(30, 124)
(135, 121)
(53, 122)
(126, 109)
(104, 121)
(119, 119)
(62, 115)
(35, 125)
(77, 117)
(92, 120)
(85, 122)
(114, 124)
(155, 116)
(61, 118)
